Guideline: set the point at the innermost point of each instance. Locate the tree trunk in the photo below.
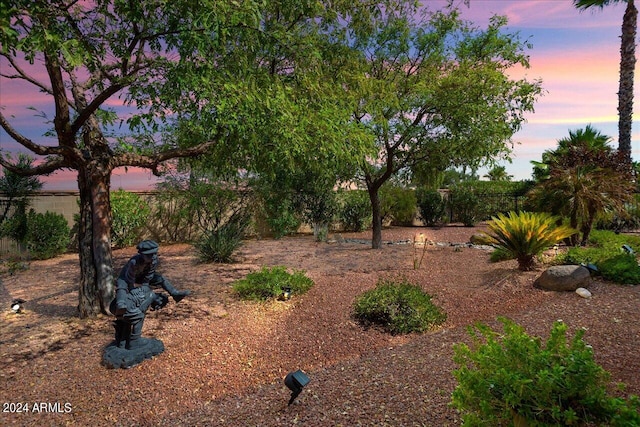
(573, 223)
(376, 238)
(627, 68)
(94, 238)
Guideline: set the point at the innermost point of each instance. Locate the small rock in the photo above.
(584, 293)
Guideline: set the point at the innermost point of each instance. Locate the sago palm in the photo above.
(525, 235)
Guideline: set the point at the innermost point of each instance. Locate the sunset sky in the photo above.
(575, 54)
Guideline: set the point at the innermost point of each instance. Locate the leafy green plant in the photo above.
(15, 226)
(172, 214)
(465, 205)
(622, 268)
(130, 213)
(431, 206)
(398, 307)
(398, 204)
(269, 283)
(511, 378)
(355, 210)
(525, 235)
(17, 189)
(47, 234)
(218, 245)
(605, 251)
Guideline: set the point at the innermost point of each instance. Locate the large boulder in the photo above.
(564, 278)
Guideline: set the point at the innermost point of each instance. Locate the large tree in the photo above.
(195, 69)
(435, 90)
(627, 68)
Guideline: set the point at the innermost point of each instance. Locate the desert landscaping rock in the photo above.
(584, 293)
(563, 278)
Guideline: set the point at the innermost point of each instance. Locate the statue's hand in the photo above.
(160, 301)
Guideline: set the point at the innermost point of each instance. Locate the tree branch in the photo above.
(152, 161)
(50, 165)
(24, 76)
(26, 142)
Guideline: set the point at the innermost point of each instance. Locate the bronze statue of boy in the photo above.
(134, 294)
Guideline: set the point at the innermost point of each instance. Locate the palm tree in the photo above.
(627, 68)
(588, 139)
(498, 173)
(583, 178)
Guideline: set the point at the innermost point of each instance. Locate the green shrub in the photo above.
(606, 253)
(399, 308)
(500, 254)
(465, 205)
(525, 235)
(281, 217)
(15, 226)
(130, 213)
(431, 206)
(355, 210)
(511, 378)
(622, 268)
(172, 212)
(397, 204)
(218, 245)
(47, 235)
(269, 283)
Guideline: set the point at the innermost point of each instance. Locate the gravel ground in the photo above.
(225, 360)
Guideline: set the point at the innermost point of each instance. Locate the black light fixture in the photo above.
(286, 293)
(296, 381)
(627, 249)
(589, 266)
(16, 305)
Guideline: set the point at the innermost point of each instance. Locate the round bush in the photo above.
(399, 308)
(355, 210)
(431, 205)
(269, 283)
(48, 234)
(130, 213)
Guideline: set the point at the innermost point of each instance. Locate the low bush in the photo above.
(219, 245)
(466, 206)
(397, 204)
(605, 251)
(397, 307)
(48, 234)
(622, 268)
(130, 213)
(269, 283)
(355, 210)
(511, 378)
(431, 206)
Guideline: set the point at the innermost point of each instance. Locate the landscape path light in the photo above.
(296, 381)
(17, 305)
(286, 293)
